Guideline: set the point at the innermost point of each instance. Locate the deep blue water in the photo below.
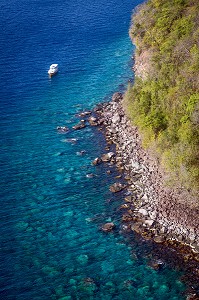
(50, 210)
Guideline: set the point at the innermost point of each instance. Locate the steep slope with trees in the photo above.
(164, 99)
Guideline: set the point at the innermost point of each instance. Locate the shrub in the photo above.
(165, 105)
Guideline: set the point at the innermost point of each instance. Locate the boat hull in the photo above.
(52, 73)
(53, 70)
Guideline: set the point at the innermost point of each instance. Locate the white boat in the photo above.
(53, 69)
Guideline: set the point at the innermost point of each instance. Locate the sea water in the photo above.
(51, 208)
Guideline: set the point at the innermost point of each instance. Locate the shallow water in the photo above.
(51, 211)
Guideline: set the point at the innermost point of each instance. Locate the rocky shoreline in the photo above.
(151, 208)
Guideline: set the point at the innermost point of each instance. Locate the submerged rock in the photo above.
(80, 125)
(93, 121)
(156, 264)
(107, 227)
(84, 113)
(107, 267)
(62, 129)
(66, 298)
(72, 141)
(82, 259)
(80, 153)
(96, 161)
(90, 175)
(87, 285)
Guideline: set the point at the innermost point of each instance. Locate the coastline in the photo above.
(157, 211)
(150, 208)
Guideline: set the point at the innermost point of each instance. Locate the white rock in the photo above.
(135, 164)
(143, 211)
(149, 222)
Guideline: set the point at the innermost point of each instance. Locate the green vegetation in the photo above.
(165, 103)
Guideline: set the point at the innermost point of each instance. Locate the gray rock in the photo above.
(192, 236)
(116, 118)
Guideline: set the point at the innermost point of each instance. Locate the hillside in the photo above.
(164, 98)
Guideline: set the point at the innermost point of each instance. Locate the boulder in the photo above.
(107, 156)
(107, 227)
(135, 165)
(128, 199)
(93, 121)
(90, 175)
(136, 227)
(116, 118)
(84, 113)
(127, 218)
(125, 206)
(82, 259)
(117, 187)
(80, 153)
(62, 129)
(159, 239)
(72, 141)
(149, 223)
(192, 297)
(143, 211)
(79, 125)
(156, 264)
(96, 161)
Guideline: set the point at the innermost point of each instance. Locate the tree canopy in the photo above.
(164, 103)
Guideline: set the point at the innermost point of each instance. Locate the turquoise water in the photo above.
(51, 212)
